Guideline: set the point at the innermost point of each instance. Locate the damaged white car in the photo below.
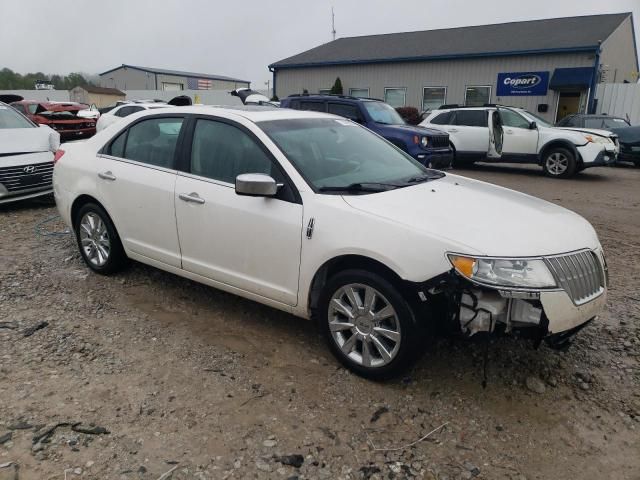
(318, 216)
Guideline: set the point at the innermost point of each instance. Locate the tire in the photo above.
(389, 354)
(559, 162)
(93, 229)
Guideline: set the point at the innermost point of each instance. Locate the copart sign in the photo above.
(522, 83)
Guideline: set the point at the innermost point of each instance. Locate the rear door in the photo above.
(137, 179)
(470, 126)
(496, 135)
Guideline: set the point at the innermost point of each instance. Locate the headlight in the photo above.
(424, 141)
(597, 139)
(504, 272)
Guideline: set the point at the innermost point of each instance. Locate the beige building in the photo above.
(98, 96)
(551, 67)
(131, 77)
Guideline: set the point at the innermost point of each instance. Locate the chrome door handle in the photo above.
(454, 130)
(107, 176)
(508, 131)
(191, 197)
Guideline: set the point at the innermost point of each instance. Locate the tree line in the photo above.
(10, 80)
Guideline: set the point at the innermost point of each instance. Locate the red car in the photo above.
(61, 116)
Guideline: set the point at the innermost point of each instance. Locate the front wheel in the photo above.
(559, 163)
(369, 326)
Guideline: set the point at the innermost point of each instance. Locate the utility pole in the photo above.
(333, 23)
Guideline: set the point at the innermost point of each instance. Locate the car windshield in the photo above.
(606, 123)
(9, 118)
(541, 122)
(381, 112)
(336, 155)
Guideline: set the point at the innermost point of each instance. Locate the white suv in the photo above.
(510, 134)
(320, 217)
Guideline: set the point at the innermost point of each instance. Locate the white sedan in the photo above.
(26, 156)
(124, 110)
(318, 216)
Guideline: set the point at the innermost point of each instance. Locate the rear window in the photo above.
(442, 119)
(471, 118)
(9, 118)
(313, 106)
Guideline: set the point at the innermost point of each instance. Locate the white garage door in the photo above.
(172, 87)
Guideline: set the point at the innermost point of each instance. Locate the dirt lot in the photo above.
(189, 380)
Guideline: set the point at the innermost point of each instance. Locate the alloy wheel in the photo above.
(94, 239)
(557, 163)
(364, 325)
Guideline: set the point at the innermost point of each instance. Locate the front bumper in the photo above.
(24, 194)
(597, 155)
(79, 133)
(441, 158)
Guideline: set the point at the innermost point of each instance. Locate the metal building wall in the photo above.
(128, 79)
(620, 100)
(453, 74)
(618, 58)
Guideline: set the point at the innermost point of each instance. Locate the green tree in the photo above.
(337, 87)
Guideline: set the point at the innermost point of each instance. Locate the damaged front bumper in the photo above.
(553, 314)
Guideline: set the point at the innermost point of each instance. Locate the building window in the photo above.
(324, 91)
(359, 92)
(477, 95)
(433, 97)
(396, 97)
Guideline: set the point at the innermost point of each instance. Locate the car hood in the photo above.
(481, 218)
(28, 140)
(591, 131)
(627, 134)
(410, 129)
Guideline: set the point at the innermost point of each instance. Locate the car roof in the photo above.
(330, 96)
(253, 113)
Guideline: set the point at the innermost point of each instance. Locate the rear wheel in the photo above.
(369, 326)
(98, 240)
(559, 162)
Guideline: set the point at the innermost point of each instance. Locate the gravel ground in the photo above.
(144, 373)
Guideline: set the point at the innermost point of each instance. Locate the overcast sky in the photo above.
(238, 40)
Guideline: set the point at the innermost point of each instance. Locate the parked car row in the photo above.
(321, 217)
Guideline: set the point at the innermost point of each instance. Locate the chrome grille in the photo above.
(37, 175)
(579, 274)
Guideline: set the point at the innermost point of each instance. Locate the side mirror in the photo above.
(256, 185)
(533, 126)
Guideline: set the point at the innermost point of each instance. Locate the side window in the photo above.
(313, 106)
(348, 111)
(222, 152)
(295, 104)
(18, 107)
(513, 119)
(442, 119)
(153, 141)
(32, 108)
(472, 118)
(117, 146)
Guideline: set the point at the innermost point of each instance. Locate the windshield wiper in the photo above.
(425, 177)
(361, 187)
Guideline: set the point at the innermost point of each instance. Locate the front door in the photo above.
(136, 179)
(520, 140)
(568, 103)
(250, 243)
